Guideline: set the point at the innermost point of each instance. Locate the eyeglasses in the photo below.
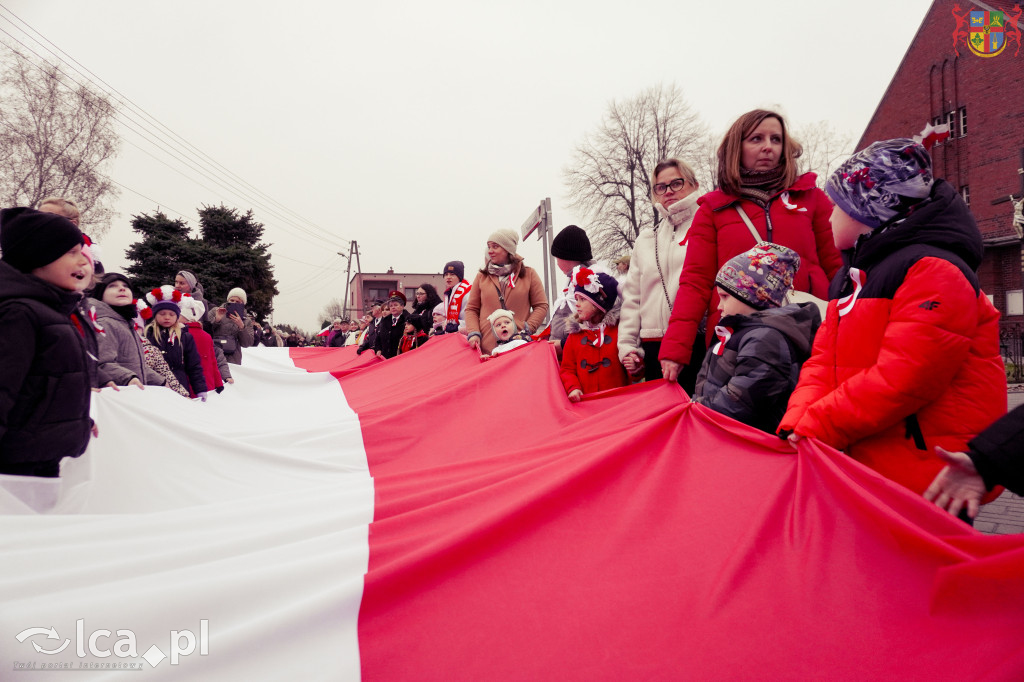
(421, 293)
(675, 186)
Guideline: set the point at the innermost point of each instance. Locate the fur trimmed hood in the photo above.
(611, 318)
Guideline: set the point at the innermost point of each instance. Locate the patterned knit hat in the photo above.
(882, 182)
(599, 288)
(572, 243)
(760, 277)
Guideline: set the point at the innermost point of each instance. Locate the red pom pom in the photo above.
(583, 276)
(146, 313)
(157, 294)
(176, 296)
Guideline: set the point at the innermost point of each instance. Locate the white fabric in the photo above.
(645, 312)
(183, 511)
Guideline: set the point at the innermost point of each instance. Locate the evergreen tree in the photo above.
(166, 249)
(228, 255)
(236, 258)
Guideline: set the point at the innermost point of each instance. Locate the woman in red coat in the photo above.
(758, 175)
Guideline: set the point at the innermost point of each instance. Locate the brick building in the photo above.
(368, 287)
(982, 98)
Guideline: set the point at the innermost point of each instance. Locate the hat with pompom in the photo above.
(164, 298)
(599, 288)
(191, 309)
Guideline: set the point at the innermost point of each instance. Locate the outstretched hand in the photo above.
(958, 486)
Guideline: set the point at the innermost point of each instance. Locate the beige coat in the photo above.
(526, 300)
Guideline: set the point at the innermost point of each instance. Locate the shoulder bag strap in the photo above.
(750, 225)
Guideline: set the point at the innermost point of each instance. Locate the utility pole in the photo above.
(353, 248)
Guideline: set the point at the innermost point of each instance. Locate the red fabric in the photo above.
(718, 233)
(517, 536)
(886, 359)
(204, 344)
(603, 378)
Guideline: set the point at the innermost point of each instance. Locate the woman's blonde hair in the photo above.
(730, 152)
(684, 170)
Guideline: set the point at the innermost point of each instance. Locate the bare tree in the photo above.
(825, 148)
(56, 139)
(334, 308)
(608, 178)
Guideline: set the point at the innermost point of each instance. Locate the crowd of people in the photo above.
(850, 314)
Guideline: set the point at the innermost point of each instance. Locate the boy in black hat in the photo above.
(47, 345)
(456, 294)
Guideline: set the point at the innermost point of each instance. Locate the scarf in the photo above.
(760, 186)
(128, 312)
(500, 271)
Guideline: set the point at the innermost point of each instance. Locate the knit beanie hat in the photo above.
(571, 243)
(439, 309)
(164, 298)
(882, 182)
(599, 288)
(30, 239)
(506, 239)
(455, 267)
(237, 291)
(500, 313)
(107, 280)
(762, 276)
(191, 309)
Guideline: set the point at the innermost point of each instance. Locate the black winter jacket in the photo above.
(998, 453)
(183, 359)
(388, 335)
(753, 375)
(46, 372)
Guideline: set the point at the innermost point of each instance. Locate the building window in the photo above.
(951, 122)
(1015, 302)
(410, 294)
(965, 192)
(963, 122)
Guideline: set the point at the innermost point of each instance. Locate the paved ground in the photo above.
(1006, 514)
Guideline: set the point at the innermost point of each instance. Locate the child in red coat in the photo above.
(590, 358)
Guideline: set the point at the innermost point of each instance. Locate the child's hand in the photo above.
(111, 384)
(474, 342)
(576, 396)
(632, 362)
(95, 430)
(136, 382)
(670, 370)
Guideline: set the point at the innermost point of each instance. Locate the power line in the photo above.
(127, 118)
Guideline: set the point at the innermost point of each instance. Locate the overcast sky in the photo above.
(418, 128)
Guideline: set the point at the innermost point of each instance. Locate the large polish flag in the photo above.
(435, 517)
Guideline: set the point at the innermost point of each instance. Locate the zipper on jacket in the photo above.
(768, 218)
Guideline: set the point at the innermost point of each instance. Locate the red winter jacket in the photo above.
(799, 220)
(204, 344)
(589, 367)
(912, 361)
